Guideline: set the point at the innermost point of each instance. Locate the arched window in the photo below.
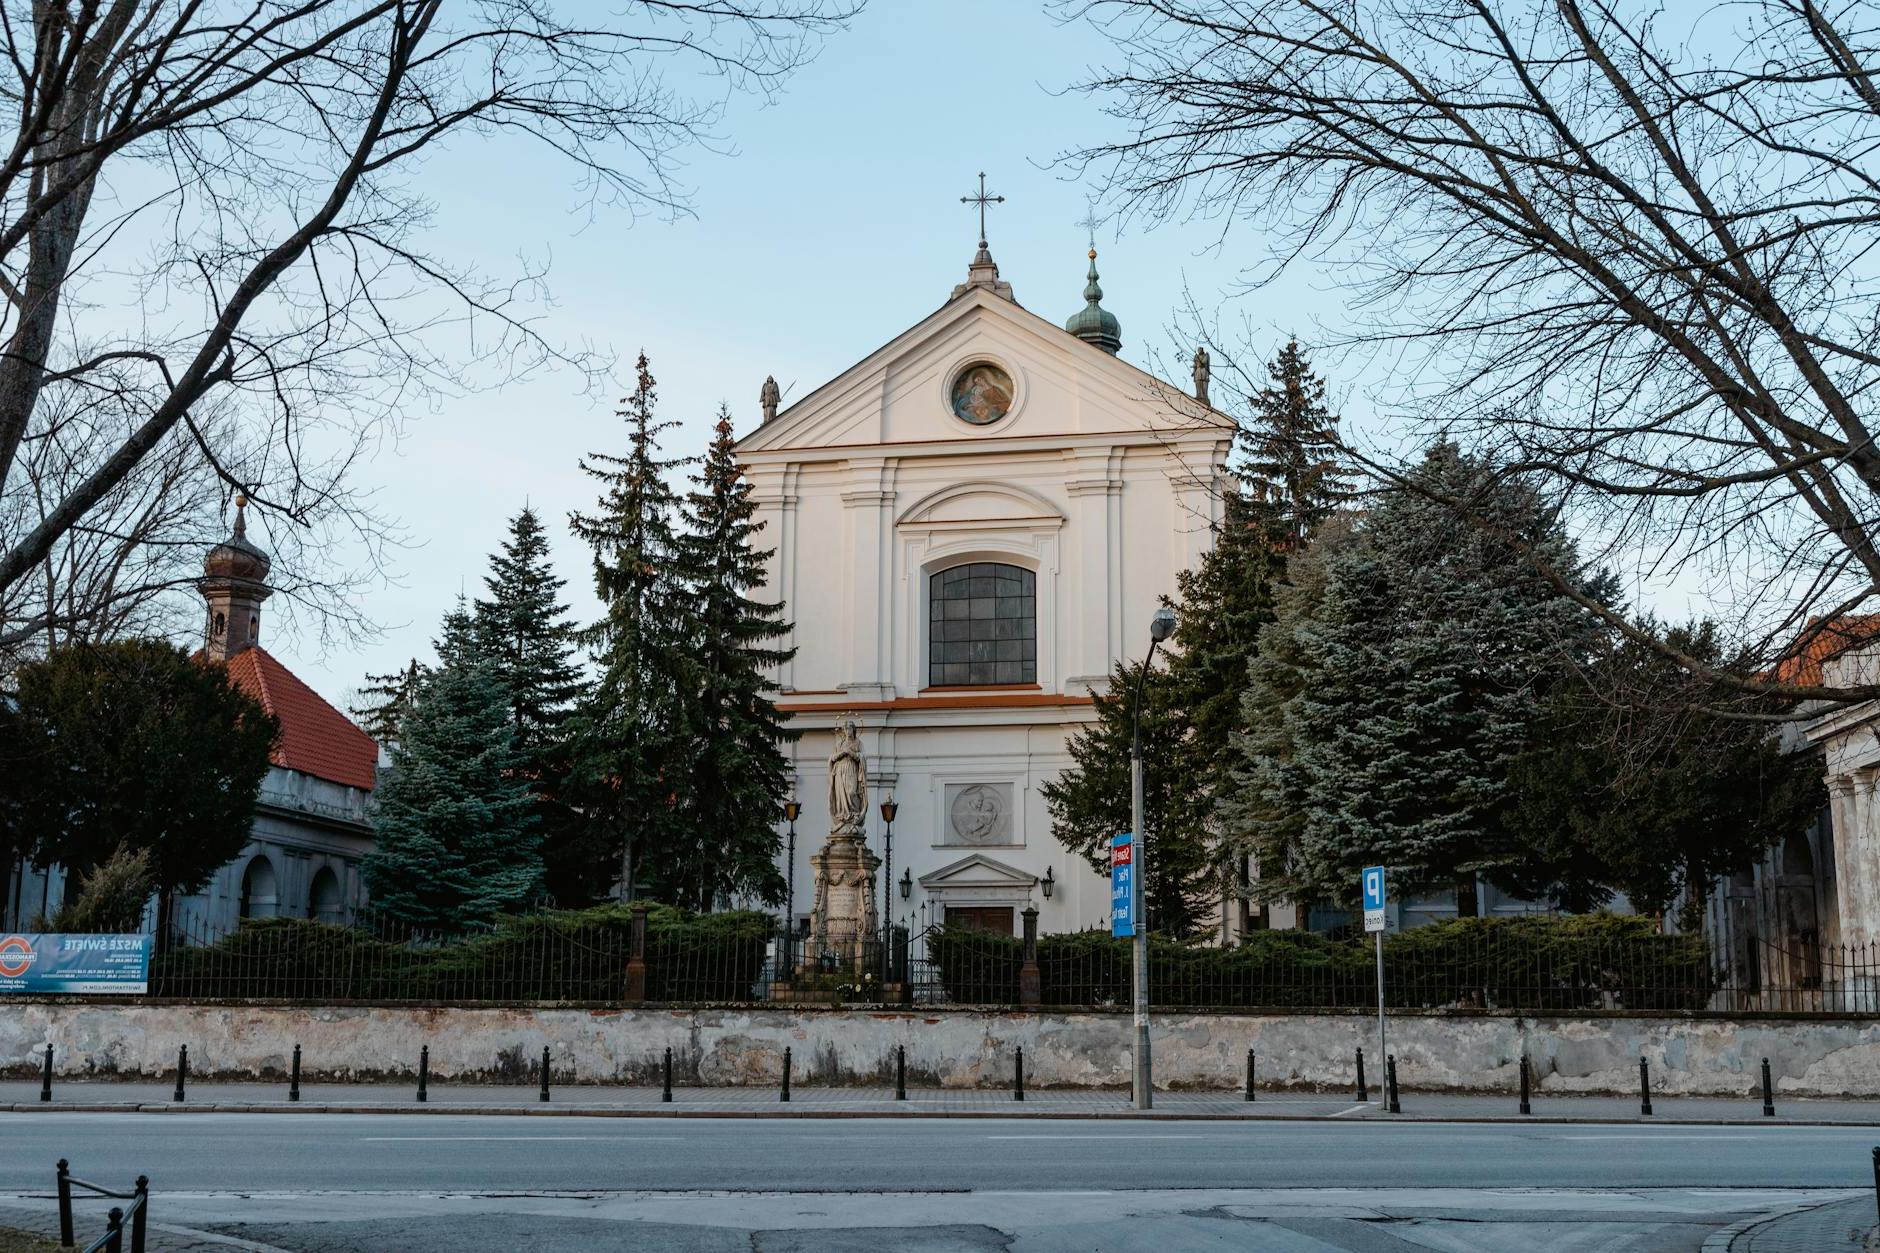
(982, 626)
(323, 899)
(258, 898)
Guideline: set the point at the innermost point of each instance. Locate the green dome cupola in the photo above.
(1093, 323)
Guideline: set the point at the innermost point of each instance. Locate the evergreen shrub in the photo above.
(556, 955)
(1536, 962)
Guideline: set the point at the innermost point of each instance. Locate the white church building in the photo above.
(971, 526)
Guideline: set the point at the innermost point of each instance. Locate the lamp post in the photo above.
(1161, 626)
(791, 810)
(888, 810)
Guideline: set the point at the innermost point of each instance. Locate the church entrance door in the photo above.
(996, 919)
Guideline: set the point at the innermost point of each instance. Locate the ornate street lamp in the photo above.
(792, 809)
(1161, 626)
(888, 810)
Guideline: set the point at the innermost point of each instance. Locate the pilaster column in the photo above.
(870, 609)
(1849, 875)
(1095, 486)
(775, 495)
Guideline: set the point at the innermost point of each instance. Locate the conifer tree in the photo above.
(528, 637)
(384, 700)
(1190, 716)
(730, 795)
(1290, 440)
(627, 739)
(1407, 673)
(453, 819)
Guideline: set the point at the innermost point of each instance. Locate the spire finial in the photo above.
(241, 515)
(982, 200)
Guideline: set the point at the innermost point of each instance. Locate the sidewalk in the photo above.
(1839, 1225)
(808, 1101)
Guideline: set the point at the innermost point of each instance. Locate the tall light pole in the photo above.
(792, 808)
(1161, 626)
(888, 810)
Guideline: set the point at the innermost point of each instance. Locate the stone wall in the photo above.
(953, 1049)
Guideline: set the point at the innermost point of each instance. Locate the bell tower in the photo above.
(234, 583)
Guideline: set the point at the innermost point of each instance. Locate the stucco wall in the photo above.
(956, 1049)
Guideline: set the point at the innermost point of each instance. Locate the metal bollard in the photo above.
(1644, 1087)
(786, 1075)
(1018, 1075)
(424, 1073)
(45, 1077)
(1525, 1107)
(1249, 1074)
(138, 1220)
(665, 1088)
(293, 1077)
(1362, 1090)
(114, 1232)
(544, 1094)
(900, 1072)
(65, 1204)
(1769, 1093)
(182, 1070)
(1390, 1082)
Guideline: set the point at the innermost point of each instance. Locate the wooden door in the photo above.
(996, 919)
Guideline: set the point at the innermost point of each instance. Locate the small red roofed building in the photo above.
(311, 826)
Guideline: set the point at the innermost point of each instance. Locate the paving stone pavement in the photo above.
(1840, 1225)
(817, 1101)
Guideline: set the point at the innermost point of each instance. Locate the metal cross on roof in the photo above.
(982, 200)
(1090, 221)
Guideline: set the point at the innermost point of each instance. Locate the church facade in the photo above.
(972, 525)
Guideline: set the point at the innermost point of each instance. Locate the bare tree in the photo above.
(1634, 259)
(211, 237)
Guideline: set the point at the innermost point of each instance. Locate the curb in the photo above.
(1032, 1114)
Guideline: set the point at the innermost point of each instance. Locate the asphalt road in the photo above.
(386, 1182)
(211, 1151)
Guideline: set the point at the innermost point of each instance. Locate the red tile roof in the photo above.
(316, 738)
(1822, 641)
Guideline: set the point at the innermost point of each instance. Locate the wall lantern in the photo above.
(907, 884)
(1049, 882)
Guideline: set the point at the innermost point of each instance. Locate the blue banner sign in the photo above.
(50, 964)
(1123, 885)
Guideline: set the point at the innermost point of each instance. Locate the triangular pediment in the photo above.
(903, 392)
(978, 871)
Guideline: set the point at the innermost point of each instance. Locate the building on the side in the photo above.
(311, 827)
(972, 525)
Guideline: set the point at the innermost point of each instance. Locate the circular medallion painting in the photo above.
(979, 815)
(982, 394)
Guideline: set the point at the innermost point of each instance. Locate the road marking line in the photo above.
(1650, 1135)
(506, 1139)
(1105, 1137)
(1354, 1109)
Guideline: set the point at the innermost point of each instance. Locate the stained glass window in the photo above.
(982, 626)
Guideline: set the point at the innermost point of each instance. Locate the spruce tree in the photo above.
(1190, 715)
(453, 819)
(528, 637)
(381, 705)
(627, 738)
(730, 796)
(1290, 441)
(1398, 689)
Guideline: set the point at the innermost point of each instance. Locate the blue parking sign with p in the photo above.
(1372, 883)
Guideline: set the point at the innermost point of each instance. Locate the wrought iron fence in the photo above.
(615, 956)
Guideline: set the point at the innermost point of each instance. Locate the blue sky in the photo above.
(831, 222)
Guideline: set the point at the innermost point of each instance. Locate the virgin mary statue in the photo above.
(848, 782)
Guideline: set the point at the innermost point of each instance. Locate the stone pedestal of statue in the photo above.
(843, 925)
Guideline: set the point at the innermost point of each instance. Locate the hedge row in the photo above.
(562, 955)
(1538, 962)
